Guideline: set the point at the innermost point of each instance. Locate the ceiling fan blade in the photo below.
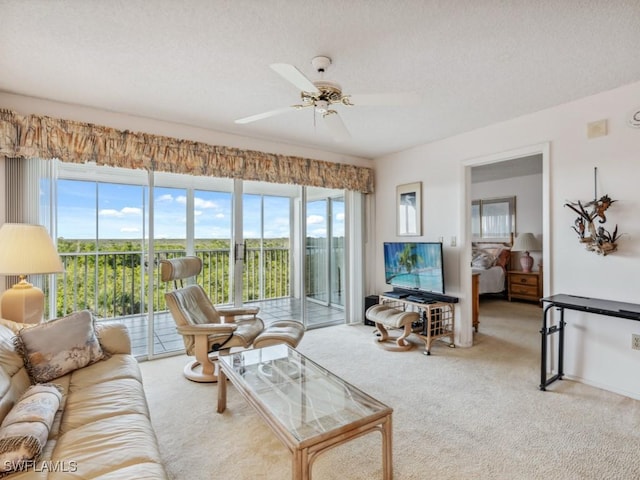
(295, 76)
(260, 116)
(385, 99)
(336, 126)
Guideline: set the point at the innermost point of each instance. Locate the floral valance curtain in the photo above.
(32, 136)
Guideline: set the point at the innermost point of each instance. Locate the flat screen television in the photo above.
(414, 266)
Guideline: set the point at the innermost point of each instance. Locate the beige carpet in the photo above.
(473, 413)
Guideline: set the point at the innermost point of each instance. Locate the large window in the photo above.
(493, 218)
(325, 258)
(100, 229)
(113, 226)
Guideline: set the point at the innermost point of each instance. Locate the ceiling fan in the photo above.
(322, 95)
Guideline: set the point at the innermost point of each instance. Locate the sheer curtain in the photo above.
(355, 235)
(493, 218)
(30, 198)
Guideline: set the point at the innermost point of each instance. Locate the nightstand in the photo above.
(525, 286)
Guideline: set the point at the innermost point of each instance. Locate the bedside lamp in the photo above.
(25, 250)
(526, 242)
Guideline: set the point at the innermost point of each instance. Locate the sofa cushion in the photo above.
(103, 390)
(14, 379)
(55, 348)
(110, 447)
(25, 429)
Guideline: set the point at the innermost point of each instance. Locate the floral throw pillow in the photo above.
(25, 429)
(483, 260)
(53, 349)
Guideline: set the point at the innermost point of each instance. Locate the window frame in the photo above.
(478, 232)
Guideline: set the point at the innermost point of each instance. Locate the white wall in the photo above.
(598, 348)
(528, 192)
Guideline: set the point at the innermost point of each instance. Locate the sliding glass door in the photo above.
(317, 258)
(337, 249)
(168, 240)
(212, 241)
(266, 246)
(324, 258)
(115, 225)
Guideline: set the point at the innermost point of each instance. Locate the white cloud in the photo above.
(167, 197)
(197, 213)
(110, 212)
(220, 215)
(197, 202)
(314, 219)
(130, 230)
(201, 203)
(131, 211)
(340, 217)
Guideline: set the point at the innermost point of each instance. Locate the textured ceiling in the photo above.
(206, 63)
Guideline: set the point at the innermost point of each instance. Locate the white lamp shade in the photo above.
(526, 242)
(27, 250)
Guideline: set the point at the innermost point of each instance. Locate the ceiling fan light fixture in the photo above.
(321, 95)
(322, 106)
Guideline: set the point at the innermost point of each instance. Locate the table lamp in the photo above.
(526, 242)
(25, 250)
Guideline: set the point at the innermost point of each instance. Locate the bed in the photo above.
(491, 261)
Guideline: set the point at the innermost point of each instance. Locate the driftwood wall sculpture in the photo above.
(594, 236)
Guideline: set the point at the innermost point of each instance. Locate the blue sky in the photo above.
(121, 211)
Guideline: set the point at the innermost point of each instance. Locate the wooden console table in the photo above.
(564, 302)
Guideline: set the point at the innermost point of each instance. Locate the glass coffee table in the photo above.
(308, 408)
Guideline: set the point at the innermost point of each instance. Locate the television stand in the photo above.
(437, 318)
(420, 295)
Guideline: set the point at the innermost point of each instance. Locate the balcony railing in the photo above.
(114, 284)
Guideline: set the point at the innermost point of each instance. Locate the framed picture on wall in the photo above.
(409, 209)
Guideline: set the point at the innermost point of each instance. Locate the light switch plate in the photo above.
(597, 129)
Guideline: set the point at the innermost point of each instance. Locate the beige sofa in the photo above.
(102, 428)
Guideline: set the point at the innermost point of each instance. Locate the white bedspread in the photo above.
(491, 279)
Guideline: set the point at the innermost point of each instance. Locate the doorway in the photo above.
(502, 162)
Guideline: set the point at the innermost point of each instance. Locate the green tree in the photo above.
(408, 258)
